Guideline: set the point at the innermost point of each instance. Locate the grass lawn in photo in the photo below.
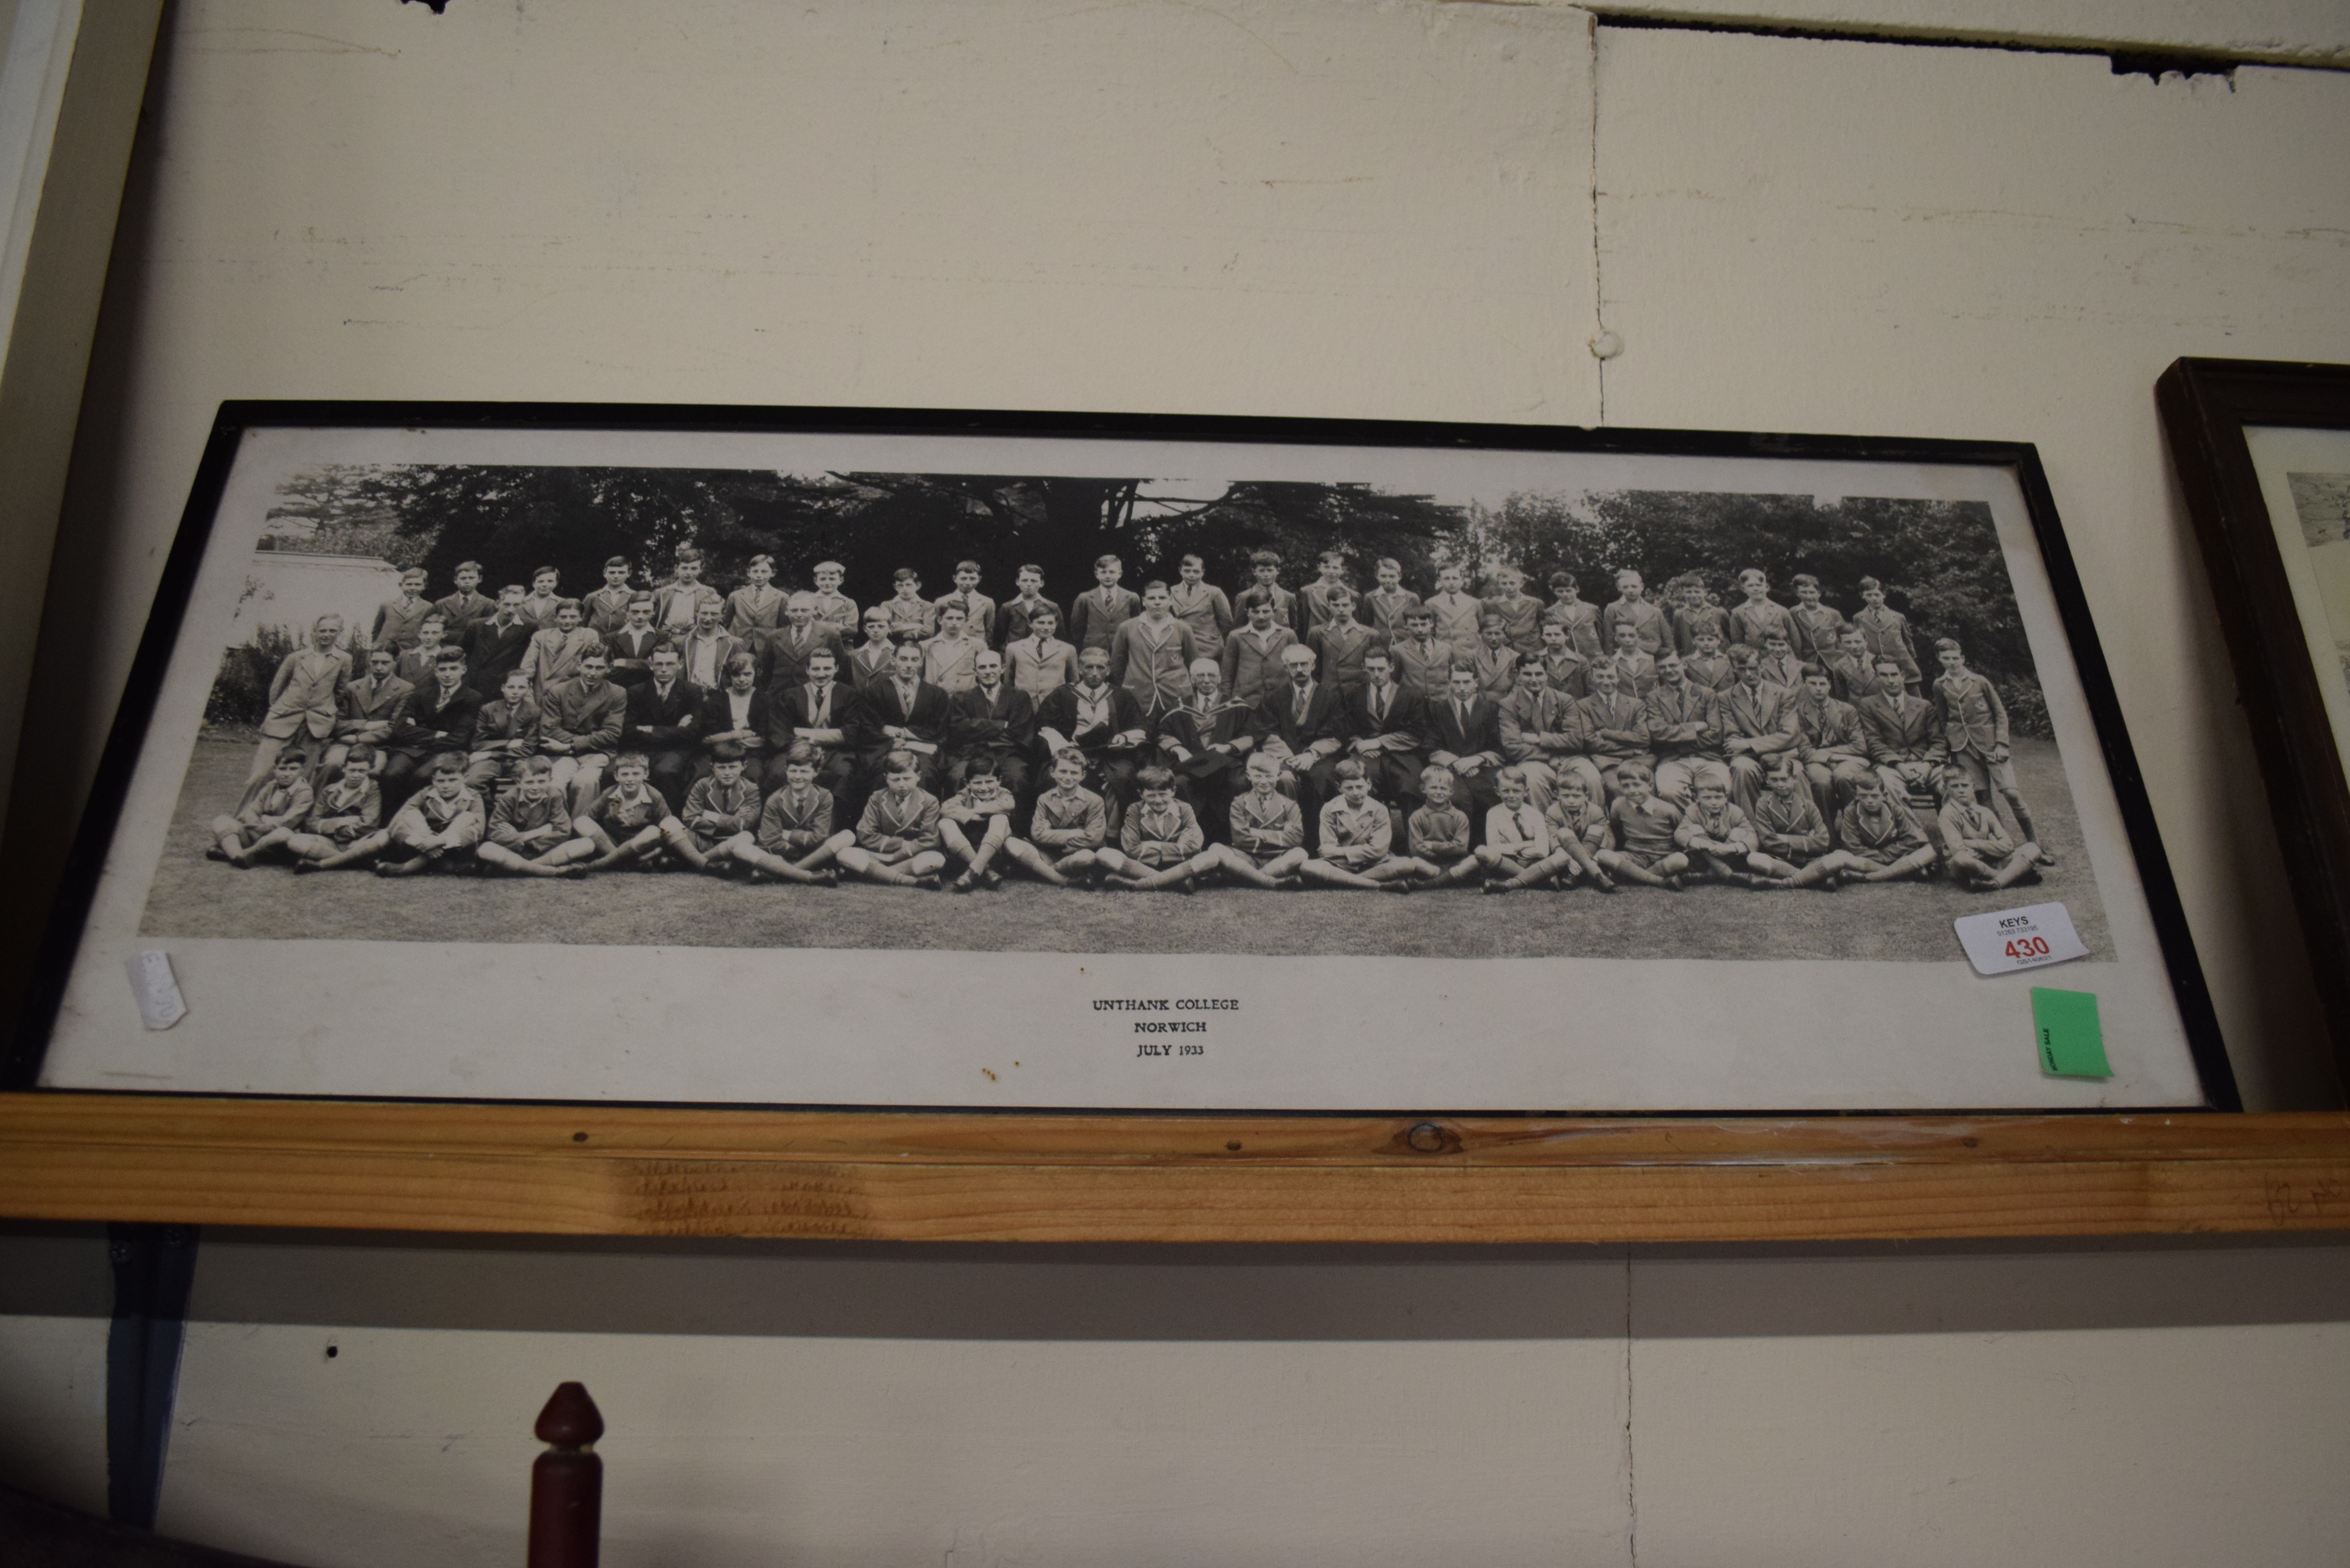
(193, 896)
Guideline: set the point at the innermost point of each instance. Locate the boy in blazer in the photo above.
(1040, 662)
(1356, 842)
(662, 724)
(1201, 606)
(1683, 733)
(1384, 608)
(758, 605)
(1819, 627)
(498, 642)
(439, 719)
(396, 618)
(607, 609)
(896, 841)
(372, 707)
(785, 651)
(505, 732)
(341, 813)
(272, 808)
(530, 831)
(1521, 612)
(833, 607)
(1100, 610)
(1015, 616)
(1423, 662)
(1904, 733)
(1888, 631)
(794, 837)
(677, 606)
(1264, 584)
(630, 821)
(467, 604)
(1150, 654)
(1613, 730)
(631, 644)
(722, 809)
(1633, 608)
(1974, 726)
(905, 716)
(978, 610)
(580, 730)
(1251, 655)
(1570, 609)
(555, 651)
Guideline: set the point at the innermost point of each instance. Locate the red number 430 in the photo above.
(2028, 947)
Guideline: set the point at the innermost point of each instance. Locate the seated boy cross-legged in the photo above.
(530, 828)
(445, 816)
(975, 825)
(1160, 842)
(1517, 838)
(1791, 836)
(341, 813)
(1981, 855)
(1070, 824)
(1578, 831)
(722, 810)
(1716, 836)
(1358, 838)
(1438, 833)
(1645, 825)
(896, 841)
(1268, 829)
(795, 834)
(1881, 840)
(630, 821)
(276, 801)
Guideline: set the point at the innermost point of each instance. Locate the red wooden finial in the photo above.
(566, 1483)
(570, 1419)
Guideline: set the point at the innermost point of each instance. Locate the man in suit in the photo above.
(305, 695)
(1757, 722)
(784, 652)
(1906, 744)
(1463, 732)
(1680, 716)
(906, 713)
(1205, 742)
(1384, 722)
(823, 711)
(631, 647)
(993, 719)
(440, 719)
(1303, 725)
(664, 718)
(496, 645)
(1101, 721)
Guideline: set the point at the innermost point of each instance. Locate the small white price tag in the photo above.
(2010, 939)
(159, 1002)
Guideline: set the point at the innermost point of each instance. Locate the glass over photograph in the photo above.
(787, 742)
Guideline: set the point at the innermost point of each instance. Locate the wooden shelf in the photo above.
(928, 1177)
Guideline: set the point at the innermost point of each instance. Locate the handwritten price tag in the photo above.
(157, 993)
(2012, 940)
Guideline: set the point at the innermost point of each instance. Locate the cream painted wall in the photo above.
(1312, 207)
(2303, 30)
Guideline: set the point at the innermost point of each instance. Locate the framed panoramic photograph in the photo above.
(2262, 451)
(892, 759)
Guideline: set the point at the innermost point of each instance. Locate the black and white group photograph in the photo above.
(931, 711)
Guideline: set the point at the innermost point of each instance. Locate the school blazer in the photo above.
(606, 610)
(630, 651)
(1832, 726)
(1342, 649)
(932, 719)
(374, 715)
(1097, 615)
(1153, 661)
(459, 611)
(793, 710)
(1902, 728)
(1253, 663)
(1526, 716)
(869, 665)
(784, 655)
(1688, 623)
(1407, 715)
(1006, 723)
(1058, 710)
(748, 611)
(1422, 670)
(493, 651)
(1817, 630)
(1668, 715)
(1326, 717)
(591, 719)
(723, 648)
(1444, 732)
(1757, 713)
(1012, 618)
(1581, 618)
(716, 716)
(429, 726)
(1649, 632)
(659, 724)
(1974, 717)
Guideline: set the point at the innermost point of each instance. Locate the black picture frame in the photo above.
(236, 419)
(2206, 406)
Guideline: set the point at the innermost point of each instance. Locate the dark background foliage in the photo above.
(1940, 561)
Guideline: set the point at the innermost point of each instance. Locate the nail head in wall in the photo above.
(1607, 346)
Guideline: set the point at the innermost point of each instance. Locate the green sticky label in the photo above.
(2065, 1023)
